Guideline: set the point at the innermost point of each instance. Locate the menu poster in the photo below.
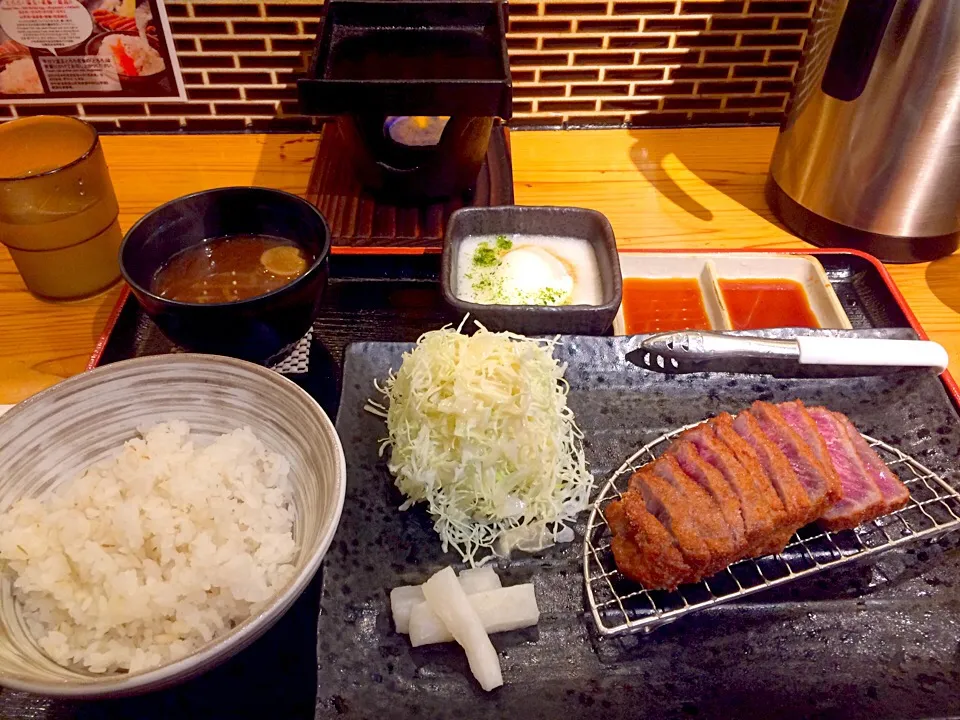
(54, 51)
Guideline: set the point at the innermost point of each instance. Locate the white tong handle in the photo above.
(870, 351)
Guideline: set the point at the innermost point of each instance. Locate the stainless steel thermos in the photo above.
(869, 154)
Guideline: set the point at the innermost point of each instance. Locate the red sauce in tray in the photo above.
(761, 303)
(660, 304)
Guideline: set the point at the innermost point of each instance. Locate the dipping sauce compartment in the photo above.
(766, 302)
(734, 291)
(759, 269)
(659, 294)
(658, 304)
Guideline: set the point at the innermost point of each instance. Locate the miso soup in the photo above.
(231, 268)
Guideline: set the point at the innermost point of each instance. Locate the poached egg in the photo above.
(530, 273)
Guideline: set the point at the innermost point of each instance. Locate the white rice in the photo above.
(20, 77)
(151, 554)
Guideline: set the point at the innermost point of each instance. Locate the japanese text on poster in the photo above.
(52, 51)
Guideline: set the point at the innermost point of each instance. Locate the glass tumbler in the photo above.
(58, 211)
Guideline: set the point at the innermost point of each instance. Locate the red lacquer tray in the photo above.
(394, 295)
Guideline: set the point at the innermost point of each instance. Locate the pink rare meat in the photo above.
(895, 493)
(860, 499)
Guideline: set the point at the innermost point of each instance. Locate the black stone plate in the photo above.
(872, 639)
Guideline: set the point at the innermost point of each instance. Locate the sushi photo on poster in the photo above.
(54, 51)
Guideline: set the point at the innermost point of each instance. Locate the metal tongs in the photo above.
(692, 351)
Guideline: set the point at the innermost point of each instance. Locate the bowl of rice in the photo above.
(157, 515)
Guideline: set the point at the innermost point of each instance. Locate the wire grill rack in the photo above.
(620, 606)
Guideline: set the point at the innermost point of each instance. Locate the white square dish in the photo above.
(710, 268)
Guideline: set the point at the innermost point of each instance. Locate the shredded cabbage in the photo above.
(479, 430)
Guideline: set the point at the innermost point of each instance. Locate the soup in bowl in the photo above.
(232, 271)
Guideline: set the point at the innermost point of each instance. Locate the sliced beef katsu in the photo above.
(710, 479)
(715, 532)
(678, 515)
(895, 493)
(860, 499)
(740, 487)
(642, 548)
(786, 524)
(722, 425)
(778, 470)
(796, 415)
(760, 516)
(822, 486)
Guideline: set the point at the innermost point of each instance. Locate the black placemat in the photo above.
(876, 639)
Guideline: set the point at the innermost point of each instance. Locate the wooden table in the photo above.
(692, 188)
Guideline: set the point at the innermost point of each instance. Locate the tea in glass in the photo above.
(58, 210)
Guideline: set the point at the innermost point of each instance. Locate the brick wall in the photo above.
(579, 63)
